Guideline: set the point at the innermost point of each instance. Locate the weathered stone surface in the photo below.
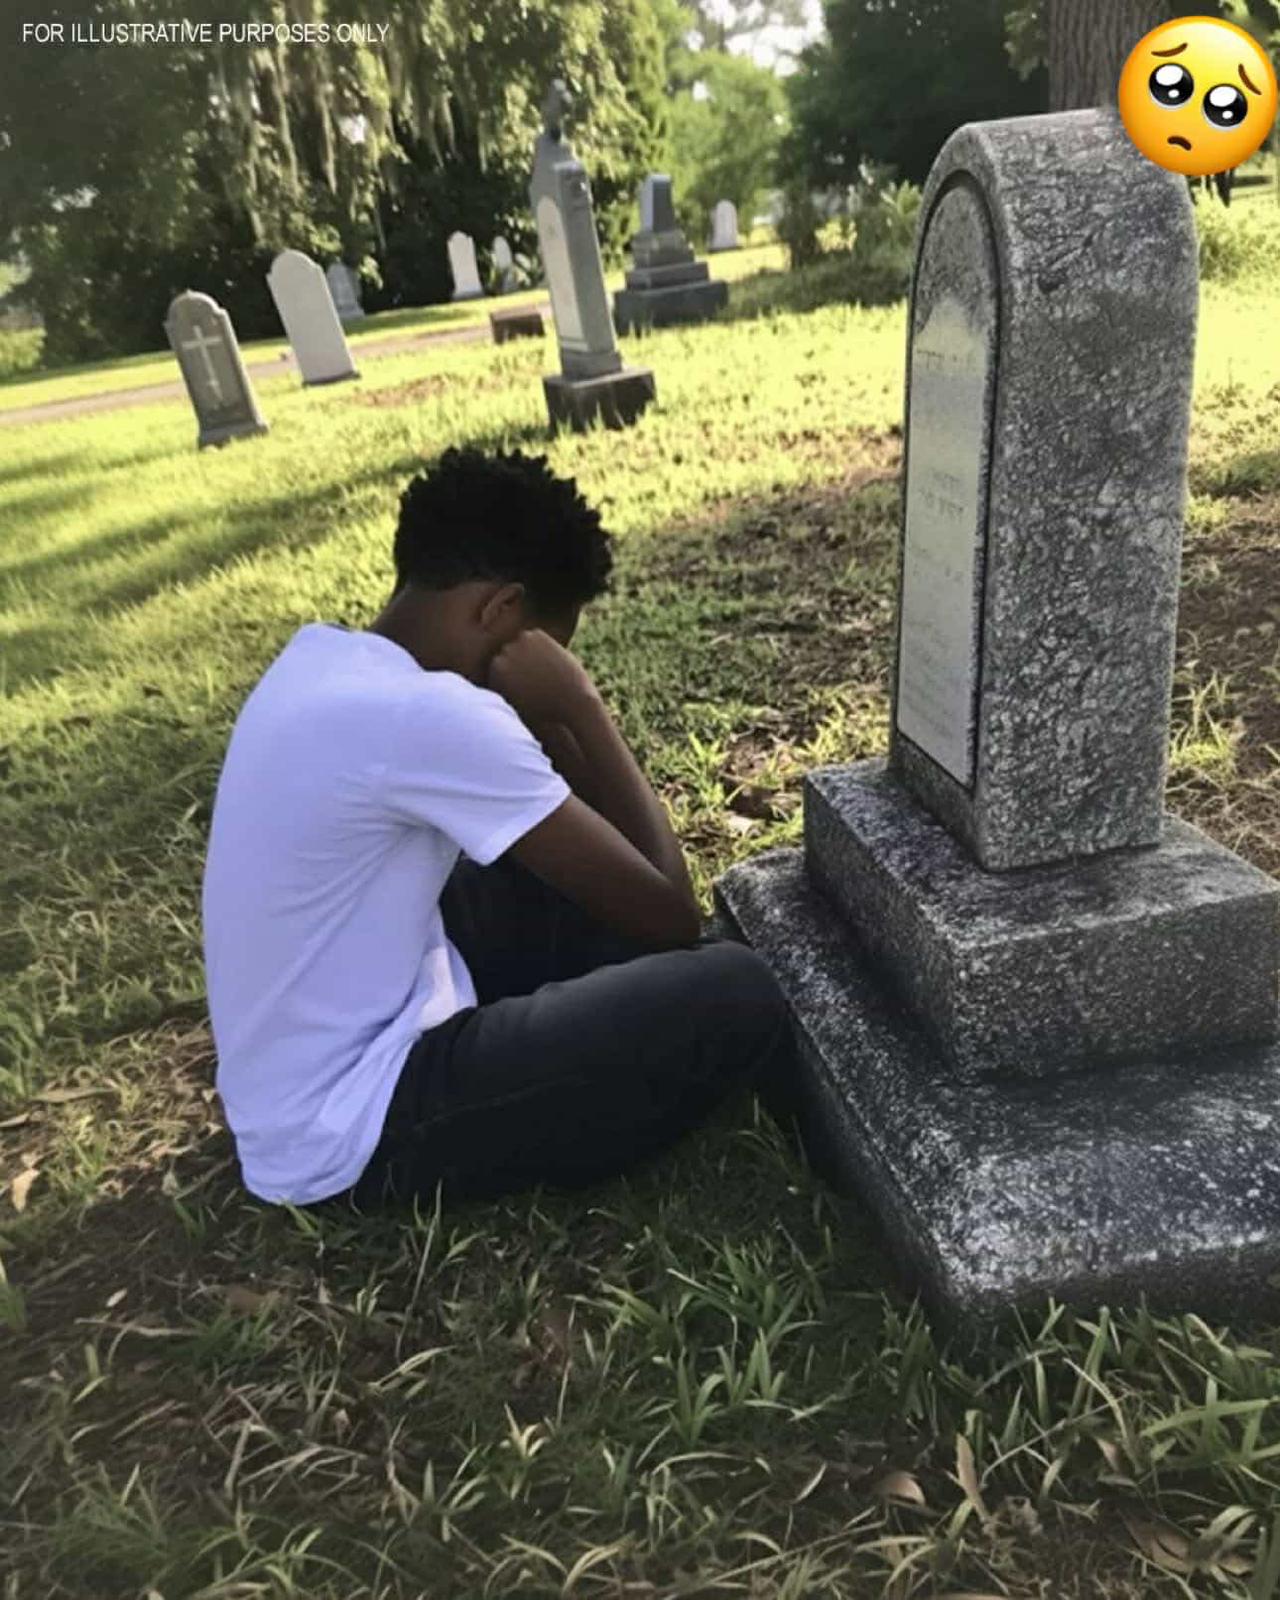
(1175, 948)
(302, 297)
(1162, 1181)
(657, 250)
(657, 204)
(524, 324)
(202, 338)
(636, 309)
(1056, 277)
(615, 400)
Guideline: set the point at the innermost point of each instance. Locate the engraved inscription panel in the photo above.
(559, 270)
(949, 446)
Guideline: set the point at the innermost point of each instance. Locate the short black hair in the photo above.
(504, 516)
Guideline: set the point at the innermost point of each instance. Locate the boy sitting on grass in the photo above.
(389, 1018)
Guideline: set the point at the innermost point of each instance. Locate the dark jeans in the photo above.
(582, 1057)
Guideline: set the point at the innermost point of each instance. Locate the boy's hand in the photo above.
(540, 678)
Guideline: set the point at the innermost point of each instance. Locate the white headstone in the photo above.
(504, 264)
(462, 263)
(201, 336)
(301, 293)
(344, 286)
(724, 226)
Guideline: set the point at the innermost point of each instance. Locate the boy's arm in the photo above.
(552, 692)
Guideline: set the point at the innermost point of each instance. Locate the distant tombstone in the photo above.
(202, 338)
(301, 293)
(504, 264)
(462, 263)
(666, 284)
(724, 226)
(593, 384)
(344, 286)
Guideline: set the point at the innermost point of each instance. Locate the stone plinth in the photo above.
(1160, 1181)
(614, 400)
(1132, 954)
(635, 309)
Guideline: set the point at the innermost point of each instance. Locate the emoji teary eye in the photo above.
(1225, 106)
(1172, 85)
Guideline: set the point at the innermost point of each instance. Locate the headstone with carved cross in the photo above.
(201, 336)
(593, 384)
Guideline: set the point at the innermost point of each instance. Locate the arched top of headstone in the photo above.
(192, 300)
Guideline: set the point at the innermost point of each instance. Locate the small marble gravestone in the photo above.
(724, 226)
(462, 264)
(202, 338)
(593, 385)
(504, 264)
(301, 293)
(1036, 1014)
(344, 286)
(666, 284)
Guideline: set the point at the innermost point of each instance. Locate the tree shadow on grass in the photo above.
(831, 281)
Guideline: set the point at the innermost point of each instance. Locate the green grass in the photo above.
(699, 1381)
(137, 372)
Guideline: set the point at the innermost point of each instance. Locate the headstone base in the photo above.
(616, 399)
(1160, 1181)
(523, 324)
(1119, 956)
(240, 430)
(636, 309)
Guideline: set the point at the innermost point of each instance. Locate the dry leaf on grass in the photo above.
(900, 1487)
(1161, 1543)
(245, 1301)
(20, 1188)
(63, 1097)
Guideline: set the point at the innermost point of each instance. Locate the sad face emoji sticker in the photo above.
(1198, 96)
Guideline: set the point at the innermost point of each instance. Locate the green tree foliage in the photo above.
(724, 141)
(128, 173)
(893, 78)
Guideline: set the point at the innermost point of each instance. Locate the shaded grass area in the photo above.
(700, 1380)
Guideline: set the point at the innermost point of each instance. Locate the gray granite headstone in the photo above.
(344, 286)
(592, 382)
(657, 204)
(1039, 592)
(202, 338)
(1037, 1016)
(310, 319)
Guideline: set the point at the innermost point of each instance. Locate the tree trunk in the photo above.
(1089, 41)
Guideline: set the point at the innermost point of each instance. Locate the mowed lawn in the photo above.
(698, 1381)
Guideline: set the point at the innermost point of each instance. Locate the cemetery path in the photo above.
(158, 393)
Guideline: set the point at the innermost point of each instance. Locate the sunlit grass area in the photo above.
(702, 1380)
(138, 372)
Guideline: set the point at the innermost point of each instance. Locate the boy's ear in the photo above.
(503, 613)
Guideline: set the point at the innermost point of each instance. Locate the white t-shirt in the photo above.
(352, 781)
